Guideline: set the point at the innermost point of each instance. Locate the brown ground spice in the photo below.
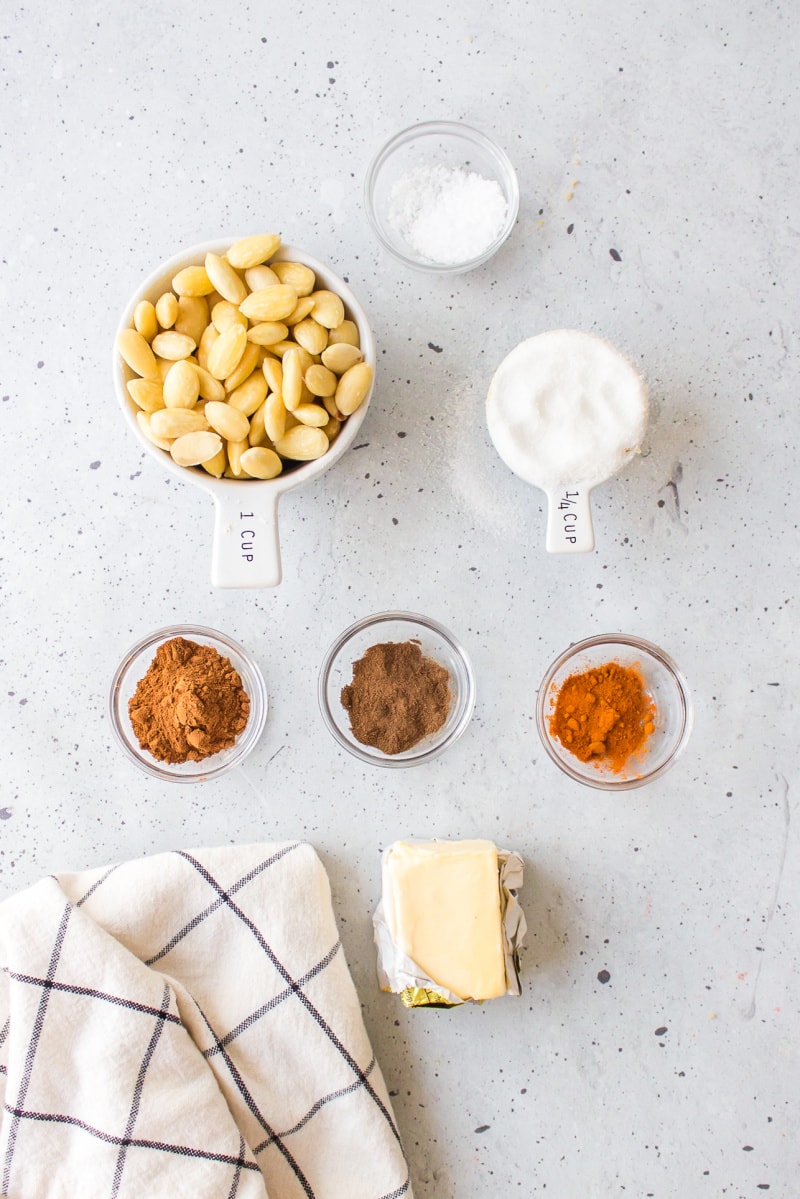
(604, 714)
(397, 696)
(190, 704)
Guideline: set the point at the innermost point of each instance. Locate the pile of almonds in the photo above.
(244, 366)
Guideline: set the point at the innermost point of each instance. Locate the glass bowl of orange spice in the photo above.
(614, 712)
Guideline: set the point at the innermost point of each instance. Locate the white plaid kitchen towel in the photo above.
(186, 1025)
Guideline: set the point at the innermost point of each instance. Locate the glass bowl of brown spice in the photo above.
(187, 703)
(396, 689)
(614, 712)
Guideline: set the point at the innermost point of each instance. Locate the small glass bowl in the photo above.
(435, 642)
(665, 685)
(134, 666)
(436, 143)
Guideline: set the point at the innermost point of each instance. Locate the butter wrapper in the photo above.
(402, 976)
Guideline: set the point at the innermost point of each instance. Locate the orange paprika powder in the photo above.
(604, 714)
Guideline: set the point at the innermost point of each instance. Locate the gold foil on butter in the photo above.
(425, 997)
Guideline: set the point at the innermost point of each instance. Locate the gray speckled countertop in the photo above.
(655, 1049)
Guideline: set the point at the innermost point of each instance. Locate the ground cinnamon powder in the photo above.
(604, 714)
(397, 696)
(190, 704)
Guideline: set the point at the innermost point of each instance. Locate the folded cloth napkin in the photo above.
(186, 1025)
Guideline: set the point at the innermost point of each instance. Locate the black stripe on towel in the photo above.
(225, 1159)
(312, 1111)
(400, 1191)
(238, 1174)
(71, 989)
(218, 903)
(137, 1093)
(253, 1106)
(272, 1003)
(34, 1042)
(98, 883)
(286, 976)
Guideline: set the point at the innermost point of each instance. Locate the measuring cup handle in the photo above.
(247, 551)
(569, 521)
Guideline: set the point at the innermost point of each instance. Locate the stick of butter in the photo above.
(442, 906)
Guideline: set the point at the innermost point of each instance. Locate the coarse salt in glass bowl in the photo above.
(664, 684)
(435, 642)
(408, 176)
(135, 665)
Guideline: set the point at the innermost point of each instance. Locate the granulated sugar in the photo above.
(446, 214)
(566, 407)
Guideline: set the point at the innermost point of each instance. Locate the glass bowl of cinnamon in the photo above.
(614, 712)
(396, 689)
(187, 703)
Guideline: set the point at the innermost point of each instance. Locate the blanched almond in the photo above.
(292, 389)
(226, 352)
(258, 430)
(267, 333)
(340, 357)
(320, 381)
(224, 314)
(225, 279)
(297, 275)
(143, 421)
(181, 386)
(146, 394)
(257, 277)
(145, 320)
(274, 416)
(261, 463)
(210, 336)
(173, 345)
(244, 368)
(167, 310)
(229, 422)
(250, 251)
(210, 388)
(346, 333)
(329, 404)
(250, 395)
(302, 444)
(194, 448)
(137, 353)
(353, 387)
(328, 309)
(313, 415)
(235, 451)
(269, 303)
(216, 466)
(273, 372)
(301, 310)
(192, 281)
(192, 317)
(311, 335)
(174, 422)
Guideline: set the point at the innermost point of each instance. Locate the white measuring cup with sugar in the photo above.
(566, 411)
(246, 547)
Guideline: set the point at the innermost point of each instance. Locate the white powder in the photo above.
(566, 408)
(446, 214)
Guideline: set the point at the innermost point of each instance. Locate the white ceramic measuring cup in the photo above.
(566, 411)
(246, 549)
